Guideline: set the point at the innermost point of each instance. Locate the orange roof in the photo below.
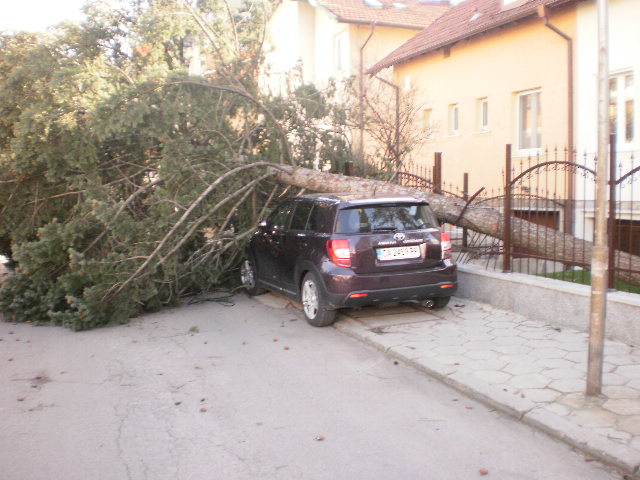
(416, 14)
(469, 18)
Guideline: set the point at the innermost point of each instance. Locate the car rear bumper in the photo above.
(351, 290)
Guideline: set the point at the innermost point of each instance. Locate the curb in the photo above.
(581, 438)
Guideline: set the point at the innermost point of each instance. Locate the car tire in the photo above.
(248, 278)
(314, 305)
(440, 302)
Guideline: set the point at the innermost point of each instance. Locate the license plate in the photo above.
(398, 253)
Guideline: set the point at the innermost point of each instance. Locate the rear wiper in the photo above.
(385, 229)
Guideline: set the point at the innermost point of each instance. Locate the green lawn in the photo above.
(584, 277)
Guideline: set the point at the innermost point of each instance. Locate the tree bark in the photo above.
(544, 241)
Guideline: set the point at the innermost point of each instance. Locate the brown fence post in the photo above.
(349, 169)
(611, 221)
(465, 195)
(437, 173)
(506, 238)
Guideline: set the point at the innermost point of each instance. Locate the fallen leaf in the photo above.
(457, 363)
(319, 438)
(275, 339)
(484, 471)
(469, 407)
(203, 409)
(285, 348)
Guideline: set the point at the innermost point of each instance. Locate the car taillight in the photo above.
(445, 245)
(340, 252)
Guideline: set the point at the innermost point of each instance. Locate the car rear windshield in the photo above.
(386, 217)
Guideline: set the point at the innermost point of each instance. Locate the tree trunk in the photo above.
(531, 236)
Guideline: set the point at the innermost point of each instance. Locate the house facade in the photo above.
(491, 73)
(317, 41)
(624, 72)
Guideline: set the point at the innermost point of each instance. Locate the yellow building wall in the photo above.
(497, 66)
(383, 41)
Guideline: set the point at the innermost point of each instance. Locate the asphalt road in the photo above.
(247, 391)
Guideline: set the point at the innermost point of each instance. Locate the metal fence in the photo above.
(554, 189)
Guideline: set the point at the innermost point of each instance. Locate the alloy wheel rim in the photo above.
(246, 274)
(310, 299)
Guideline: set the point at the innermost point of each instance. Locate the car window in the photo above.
(322, 217)
(300, 215)
(385, 217)
(279, 219)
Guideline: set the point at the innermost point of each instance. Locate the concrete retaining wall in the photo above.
(558, 303)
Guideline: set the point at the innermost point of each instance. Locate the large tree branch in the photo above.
(547, 242)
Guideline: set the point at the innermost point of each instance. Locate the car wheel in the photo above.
(248, 278)
(440, 302)
(314, 304)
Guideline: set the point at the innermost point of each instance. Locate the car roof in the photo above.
(352, 199)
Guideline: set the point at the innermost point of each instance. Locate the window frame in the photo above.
(454, 120)
(427, 123)
(339, 52)
(536, 128)
(482, 115)
(624, 95)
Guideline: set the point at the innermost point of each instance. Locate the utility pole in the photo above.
(599, 257)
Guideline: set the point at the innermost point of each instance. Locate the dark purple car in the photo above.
(331, 251)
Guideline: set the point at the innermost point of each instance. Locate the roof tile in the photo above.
(416, 14)
(466, 19)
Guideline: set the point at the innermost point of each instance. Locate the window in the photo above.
(407, 84)
(427, 122)
(621, 108)
(339, 52)
(387, 217)
(529, 121)
(454, 125)
(482, 114)
(279, 219)
(300, 216)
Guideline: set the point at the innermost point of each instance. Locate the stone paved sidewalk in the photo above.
(532, 370)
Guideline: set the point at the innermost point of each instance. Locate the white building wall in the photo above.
(624, 56)
(333, 40)
(283, 47)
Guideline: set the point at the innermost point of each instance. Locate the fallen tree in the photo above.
(126, 184)
(545, 241)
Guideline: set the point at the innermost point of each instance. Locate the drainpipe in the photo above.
(361, 96)
(543, 13)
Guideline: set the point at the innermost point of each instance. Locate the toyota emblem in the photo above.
(399, 237)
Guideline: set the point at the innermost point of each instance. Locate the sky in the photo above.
(37, 15)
